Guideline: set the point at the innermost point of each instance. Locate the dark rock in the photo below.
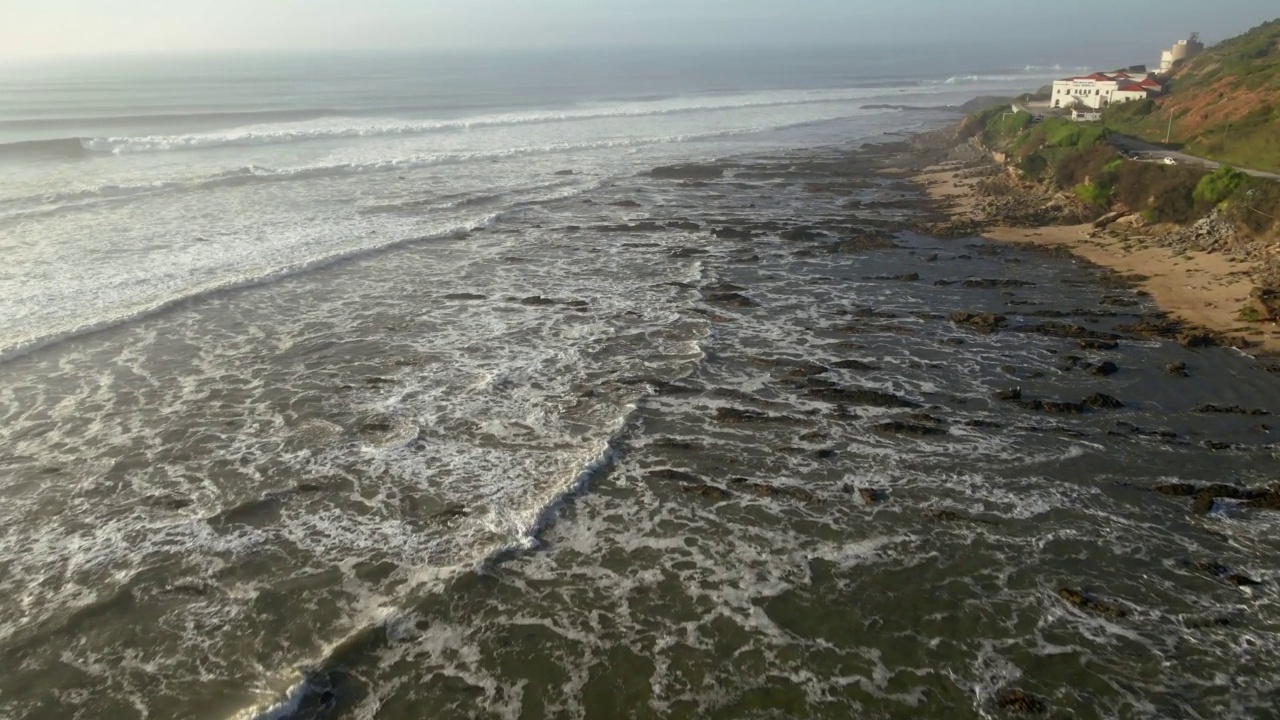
(1267, 501)
(765, 490)
(564, 172)
(687, 252)
(1064, 330)
(995, 283)
(1177, 370)
(1223, 573)
(1057, 407)
(897, 427)
(732, 299)
(1018, 701)
(537, 300)
(872, 496)
(1197, 340)
(463, 296)
(1239, 580)
(799, 234)
(626, 204)
(953, 516)
(1266, 302)
(1082, 601)
(1010, 395)
(982, 322)
(1228, 410)
(1105, 369)
(908, 277)
(1202, 504)
(737, 416)
(1102, 402)
(646, 226)
(1177, 489)
(711, 492)
(853, 365)
(860, 396)
(1096, 344)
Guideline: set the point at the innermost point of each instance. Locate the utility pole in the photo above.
(1169, 135)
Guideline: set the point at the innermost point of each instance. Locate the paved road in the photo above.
(1154, 153)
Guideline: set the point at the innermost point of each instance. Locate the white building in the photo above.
(1182, 50)
(1099, 90)
(1079, 115)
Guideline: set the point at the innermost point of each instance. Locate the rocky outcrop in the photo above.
(982, 322)
(1018, 701)
(1265, 303)
(908, 429)
(1079, 599)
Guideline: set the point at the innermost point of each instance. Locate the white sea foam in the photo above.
(348, 128)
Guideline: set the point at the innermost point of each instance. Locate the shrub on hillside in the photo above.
(1088, 165)
(1099, 196)
(1218, 185)
(1256, 207)
(1163, 193)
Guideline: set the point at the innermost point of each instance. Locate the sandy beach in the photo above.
(1199, 288)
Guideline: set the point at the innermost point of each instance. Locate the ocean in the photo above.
(400, 387)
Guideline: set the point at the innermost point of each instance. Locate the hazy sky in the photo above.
(69, 27)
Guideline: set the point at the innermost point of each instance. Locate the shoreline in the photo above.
(1205, 290)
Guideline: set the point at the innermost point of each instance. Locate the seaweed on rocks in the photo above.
(872, 496)
(984, 322)
(859, 396)
(765, 490)
(908, 429)
(710, 492)
(1079, 599)
(1018, 701)
(1210, 408)
(1098, 401)
(732, 299)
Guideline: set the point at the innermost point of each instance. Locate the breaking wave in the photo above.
(341, 128)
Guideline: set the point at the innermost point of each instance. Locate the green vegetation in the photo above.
(1219, 185)
(998, 124)
(1248, 313)
(1223, 104)
(1094, 194)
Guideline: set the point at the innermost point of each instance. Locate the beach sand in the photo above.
(1205, 289)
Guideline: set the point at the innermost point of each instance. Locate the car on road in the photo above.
(1169, 161)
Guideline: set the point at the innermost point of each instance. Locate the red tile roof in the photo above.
(1131, 87)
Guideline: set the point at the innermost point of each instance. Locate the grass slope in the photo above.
(1225, 104)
